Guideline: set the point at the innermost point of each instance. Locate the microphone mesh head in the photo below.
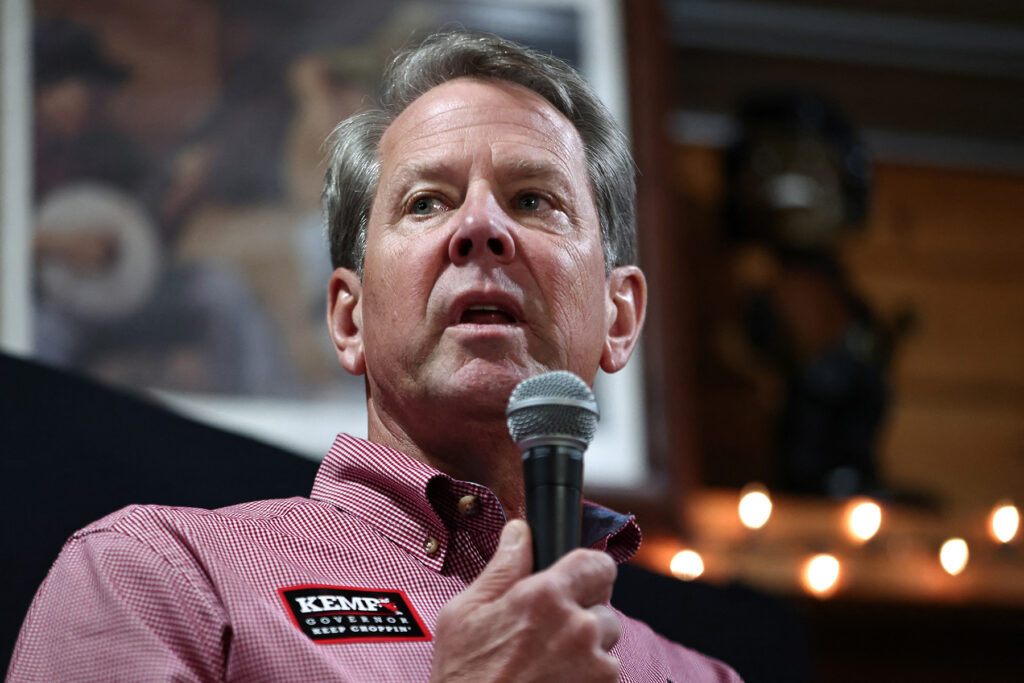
(553, 406)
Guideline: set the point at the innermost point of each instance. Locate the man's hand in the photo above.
(511, 625)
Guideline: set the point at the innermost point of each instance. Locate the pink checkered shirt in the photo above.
(344, 585)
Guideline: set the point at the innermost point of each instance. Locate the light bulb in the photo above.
(755, 506)
(953, 555)
(1005, 522)
(821, 574)
(687, 565)
(863, 520)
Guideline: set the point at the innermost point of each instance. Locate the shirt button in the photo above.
(469, 506)
(431, 545)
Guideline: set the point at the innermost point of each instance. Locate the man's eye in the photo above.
(529, 202)
(424, 206)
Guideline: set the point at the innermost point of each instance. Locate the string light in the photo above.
(687, 565)
(755, 506)
(1004, 522)
(821, 574)
(953, 555)
(863, 519)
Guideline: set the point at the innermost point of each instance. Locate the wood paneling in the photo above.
(947, 245)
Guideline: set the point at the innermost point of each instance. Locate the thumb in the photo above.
(512, 561)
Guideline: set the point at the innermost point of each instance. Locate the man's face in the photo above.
(484, 262)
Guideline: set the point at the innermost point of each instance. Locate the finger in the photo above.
(511, 562)
(609, 628)
(611, 667)
(586, 576)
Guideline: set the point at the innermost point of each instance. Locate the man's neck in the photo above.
(478, 451)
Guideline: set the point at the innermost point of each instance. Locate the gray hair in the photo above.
(354, 166)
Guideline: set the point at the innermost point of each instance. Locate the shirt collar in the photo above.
(386, 489)
(408, 502)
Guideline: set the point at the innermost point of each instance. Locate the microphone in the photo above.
(552, 419)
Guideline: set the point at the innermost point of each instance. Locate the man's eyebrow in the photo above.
(532, 168)
(411, 171)
(514, 168)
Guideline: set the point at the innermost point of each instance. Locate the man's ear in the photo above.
(345, 319)
(627, 305)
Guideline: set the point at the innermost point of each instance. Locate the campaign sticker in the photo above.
(343, 614)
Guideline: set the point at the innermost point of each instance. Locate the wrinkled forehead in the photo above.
(459, 109)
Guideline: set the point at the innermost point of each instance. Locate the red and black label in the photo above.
(336, 614)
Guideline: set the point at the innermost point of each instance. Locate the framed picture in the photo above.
(174, 241)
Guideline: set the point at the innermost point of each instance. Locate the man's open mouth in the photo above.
(486, 315)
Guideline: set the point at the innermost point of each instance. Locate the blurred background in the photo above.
(829, 407)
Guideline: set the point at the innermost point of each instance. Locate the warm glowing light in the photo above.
(1005, 522)
(821, 574)
(863, 520)
(953, 555)
(755, 506)
(687, 565)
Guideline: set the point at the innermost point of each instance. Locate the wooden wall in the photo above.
(948, 245)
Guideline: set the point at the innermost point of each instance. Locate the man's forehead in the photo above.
(453, 109)
(478, 93)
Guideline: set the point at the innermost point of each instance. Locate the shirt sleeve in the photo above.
(689, 665)
(648, 656)
(112, 607)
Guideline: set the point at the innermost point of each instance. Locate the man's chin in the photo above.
(486, 381)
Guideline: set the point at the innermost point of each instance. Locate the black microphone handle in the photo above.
(553, 479)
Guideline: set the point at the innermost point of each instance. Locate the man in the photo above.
(481, 229)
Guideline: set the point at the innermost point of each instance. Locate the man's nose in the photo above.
(483, 230)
